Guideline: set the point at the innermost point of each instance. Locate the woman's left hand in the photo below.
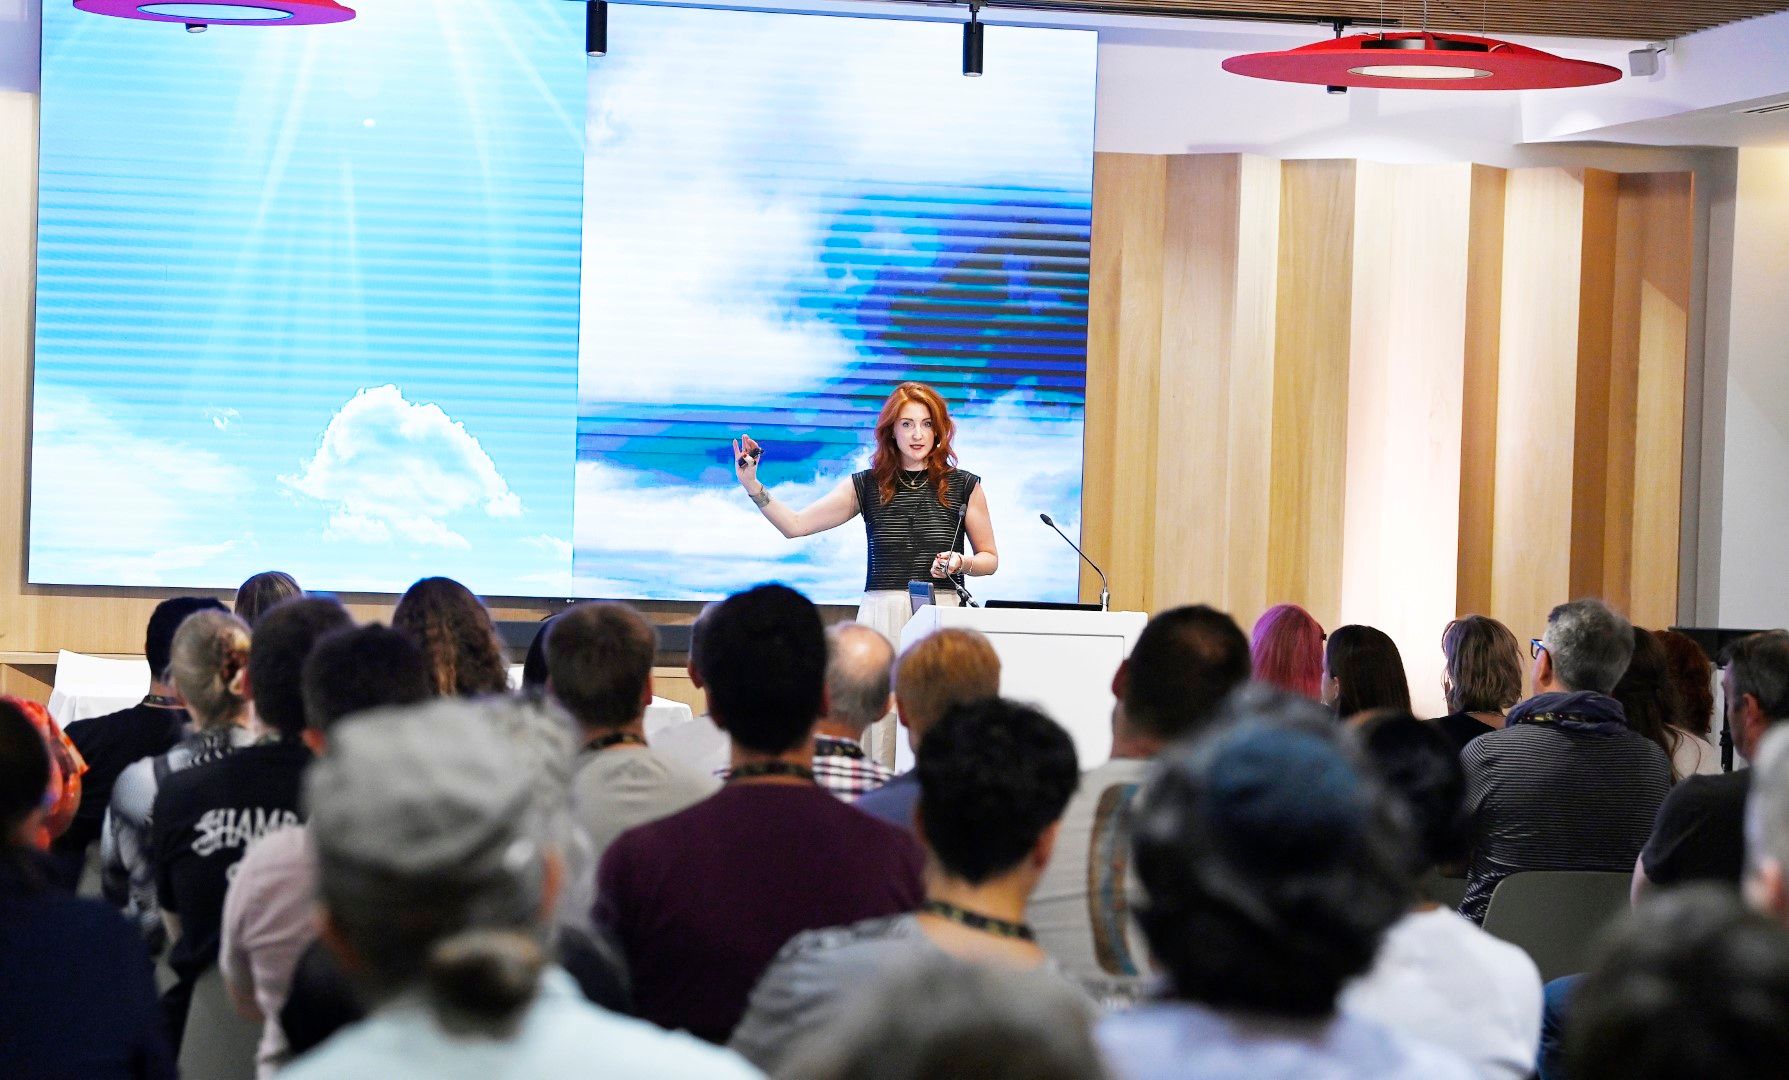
(947, 564)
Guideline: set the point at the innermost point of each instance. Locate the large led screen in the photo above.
(430, 293)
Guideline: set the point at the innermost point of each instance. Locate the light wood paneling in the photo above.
(1600, 458)
(1310, 412)
(1124, 331)
(1478, 432)
(1405, 393)
(1650, 345)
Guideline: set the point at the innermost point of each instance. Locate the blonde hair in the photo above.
(210, 650)
(1484, 665)
(949, 668)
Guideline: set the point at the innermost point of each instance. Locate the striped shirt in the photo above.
(1550, 795)
(909, 531)
(841, 768)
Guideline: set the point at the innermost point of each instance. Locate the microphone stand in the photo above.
(1105, 592)
(956, 581)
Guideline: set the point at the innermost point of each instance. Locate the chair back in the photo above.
(219, 1044)
(1556, 916)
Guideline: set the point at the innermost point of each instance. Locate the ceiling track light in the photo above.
(972, 42)
(596, 28)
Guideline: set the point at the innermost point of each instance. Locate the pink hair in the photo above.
(1287, 650)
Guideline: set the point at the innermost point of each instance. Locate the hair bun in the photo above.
(483, 978)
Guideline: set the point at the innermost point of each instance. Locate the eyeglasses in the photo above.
(1535, 647)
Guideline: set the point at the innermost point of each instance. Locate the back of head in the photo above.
(24, 772)
(1483, 665)
(599, 660)
(942, 1019)
(1693, 676)
(158, 643)
(1758, 665)
(764, 659)
(534, 665)
(1287, 650)
(209, 653)
(262, 593)
(942, 670)
(276, 657)
(993, 775)
(859, 672)
(361, 668)
(431, 859)
(1648, 696)
(1184, 663)
(1422, 768)
(1366, 663)
(1590, 644)
(1271, 863)
(456, 635)
(1690, 985)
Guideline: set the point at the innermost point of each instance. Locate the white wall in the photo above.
(1754, 511)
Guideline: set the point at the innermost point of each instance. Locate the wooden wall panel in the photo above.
(1478, 433)
(1405, 397)
(1124, 330)
(1654, 289)
(1600, 460)
(1310, 415)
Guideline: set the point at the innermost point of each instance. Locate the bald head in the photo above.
(858, 664)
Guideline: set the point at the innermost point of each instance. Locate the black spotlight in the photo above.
(972, 42)
(596, 28)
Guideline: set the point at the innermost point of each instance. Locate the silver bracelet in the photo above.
(761, 497)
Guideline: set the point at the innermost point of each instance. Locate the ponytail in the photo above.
(481, 979)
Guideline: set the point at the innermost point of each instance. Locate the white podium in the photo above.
(1060, 661)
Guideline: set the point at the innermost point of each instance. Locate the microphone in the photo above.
(1105, 593)
(956, 544)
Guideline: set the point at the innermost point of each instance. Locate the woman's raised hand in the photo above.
(745, 460)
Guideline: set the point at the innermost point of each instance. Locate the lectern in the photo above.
(1060, 661)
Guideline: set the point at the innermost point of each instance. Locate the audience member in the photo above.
(75, 987)
(1184, 663)
(1362, 671)
(457, 636)
(260, 593)
(1693, 676)
(208, 665)
(942, 1019)
(1481, 679)
(436, 869)
(1648, 696)
(269, 907)
(1272, 868)
(205, 819)
(858, 676)
(702, 900)
(112, 742)
(534, 665)
(697, 743)
(1437, 976)
(63, 795)
(1566, 785)
(599, 663)
(1691, 985)
(944, 669)
(1286, 650)
(994, 778)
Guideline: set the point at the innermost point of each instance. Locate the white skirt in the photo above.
(888, 610)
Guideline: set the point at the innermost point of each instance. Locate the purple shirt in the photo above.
(702, 900)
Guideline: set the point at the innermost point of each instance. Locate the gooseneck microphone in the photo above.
(1105, 593)
(956, 544)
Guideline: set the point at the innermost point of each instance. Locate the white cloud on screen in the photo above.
(90, 474)
(640, 536)
(391, 468)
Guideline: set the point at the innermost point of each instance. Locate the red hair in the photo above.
(888, 456)
(1287, 650)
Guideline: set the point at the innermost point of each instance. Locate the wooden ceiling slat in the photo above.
(1640, 19)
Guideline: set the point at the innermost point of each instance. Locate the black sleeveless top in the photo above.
(909, 530)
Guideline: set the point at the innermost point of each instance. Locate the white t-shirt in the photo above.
(1443, 980)
(697, 744)
(1694, 756)
(1087, 927)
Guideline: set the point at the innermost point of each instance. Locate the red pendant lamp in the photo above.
(198, 14)
(1421, 60)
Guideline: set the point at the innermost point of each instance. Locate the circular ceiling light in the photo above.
(201, 13)
(1421, 60)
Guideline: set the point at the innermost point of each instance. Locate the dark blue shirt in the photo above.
(893, 802)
